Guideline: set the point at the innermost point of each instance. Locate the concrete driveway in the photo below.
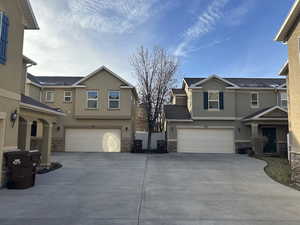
(172, 189)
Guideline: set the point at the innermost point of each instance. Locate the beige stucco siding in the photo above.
(236, 102)
(180, 100)
(293, 87)
(11, 72)
(103, 83)
(198, 105)
(34, 92)
(266, 99)
(11, 133)
(66, 107)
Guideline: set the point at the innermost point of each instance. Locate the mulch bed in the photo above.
(54, 166)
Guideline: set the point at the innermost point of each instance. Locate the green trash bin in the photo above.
(20, 170)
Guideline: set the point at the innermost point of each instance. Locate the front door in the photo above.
(270, 145)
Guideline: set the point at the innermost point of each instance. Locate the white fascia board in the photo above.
(177, 120)
(284, 68)
(288, 23)
(211, 77)
(269, 110)
(100, 69)
(250, 88)
(65, 87)
(33, 83)
(28, 106)
(216, 118)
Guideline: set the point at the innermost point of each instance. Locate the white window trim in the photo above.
(251, 103)
(87, 99)
(213, 91)
(114, 100)
(281, 99)
(52, 96)
(70, 96)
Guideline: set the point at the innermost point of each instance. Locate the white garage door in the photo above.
(93, 140)
(205, 140)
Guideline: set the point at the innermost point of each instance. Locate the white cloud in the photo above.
(109, 16)
(78, 36)
(205, 23)
(236, 16)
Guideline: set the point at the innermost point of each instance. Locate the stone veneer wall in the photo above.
(295, 163)
(126, 145)
(58, 144)
(172, 146)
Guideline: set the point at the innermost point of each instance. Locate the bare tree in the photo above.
(155, 71)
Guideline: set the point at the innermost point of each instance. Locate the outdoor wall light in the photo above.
(126, 128)
(13, 118)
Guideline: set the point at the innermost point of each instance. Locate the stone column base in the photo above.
(295, 164)
(172, 146)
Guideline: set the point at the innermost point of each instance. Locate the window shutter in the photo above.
(221, 99)
(4, 39)
(205, 100)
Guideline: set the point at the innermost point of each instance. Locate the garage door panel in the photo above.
(205, 140)
(93, 140)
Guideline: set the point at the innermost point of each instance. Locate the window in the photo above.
(49, 96)
(283, 100)
(68, 96)
(92, 99)
(114, 99)
(254, 100)
(3, 37)
(213, 100)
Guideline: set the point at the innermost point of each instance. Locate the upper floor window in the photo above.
(92, 99)
(49, 96)
(213, 100)
(68, 96)
(283, 99)
(3, 37)
(254, 100)
(114, 99)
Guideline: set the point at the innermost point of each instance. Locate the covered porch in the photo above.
(269, 129)
(36, 122)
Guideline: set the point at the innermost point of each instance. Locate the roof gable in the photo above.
(97, 72)
(284, 71)
(289, 22)
(199, 83)
(30, 21)
(275, 112)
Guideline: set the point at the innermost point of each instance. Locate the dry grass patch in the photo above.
(279, 170)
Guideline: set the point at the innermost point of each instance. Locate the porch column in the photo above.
(28, 135)
(254, 136)
(25, 134)
(46, 145)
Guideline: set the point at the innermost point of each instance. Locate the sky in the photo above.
(229, 38)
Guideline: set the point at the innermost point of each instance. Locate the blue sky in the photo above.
(232, 38)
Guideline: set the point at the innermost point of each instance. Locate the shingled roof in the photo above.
(30, 101)
(246, 82)
(176, 112)
(54, 80)
(178, 91)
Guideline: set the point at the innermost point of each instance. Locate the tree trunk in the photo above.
(149, 140)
